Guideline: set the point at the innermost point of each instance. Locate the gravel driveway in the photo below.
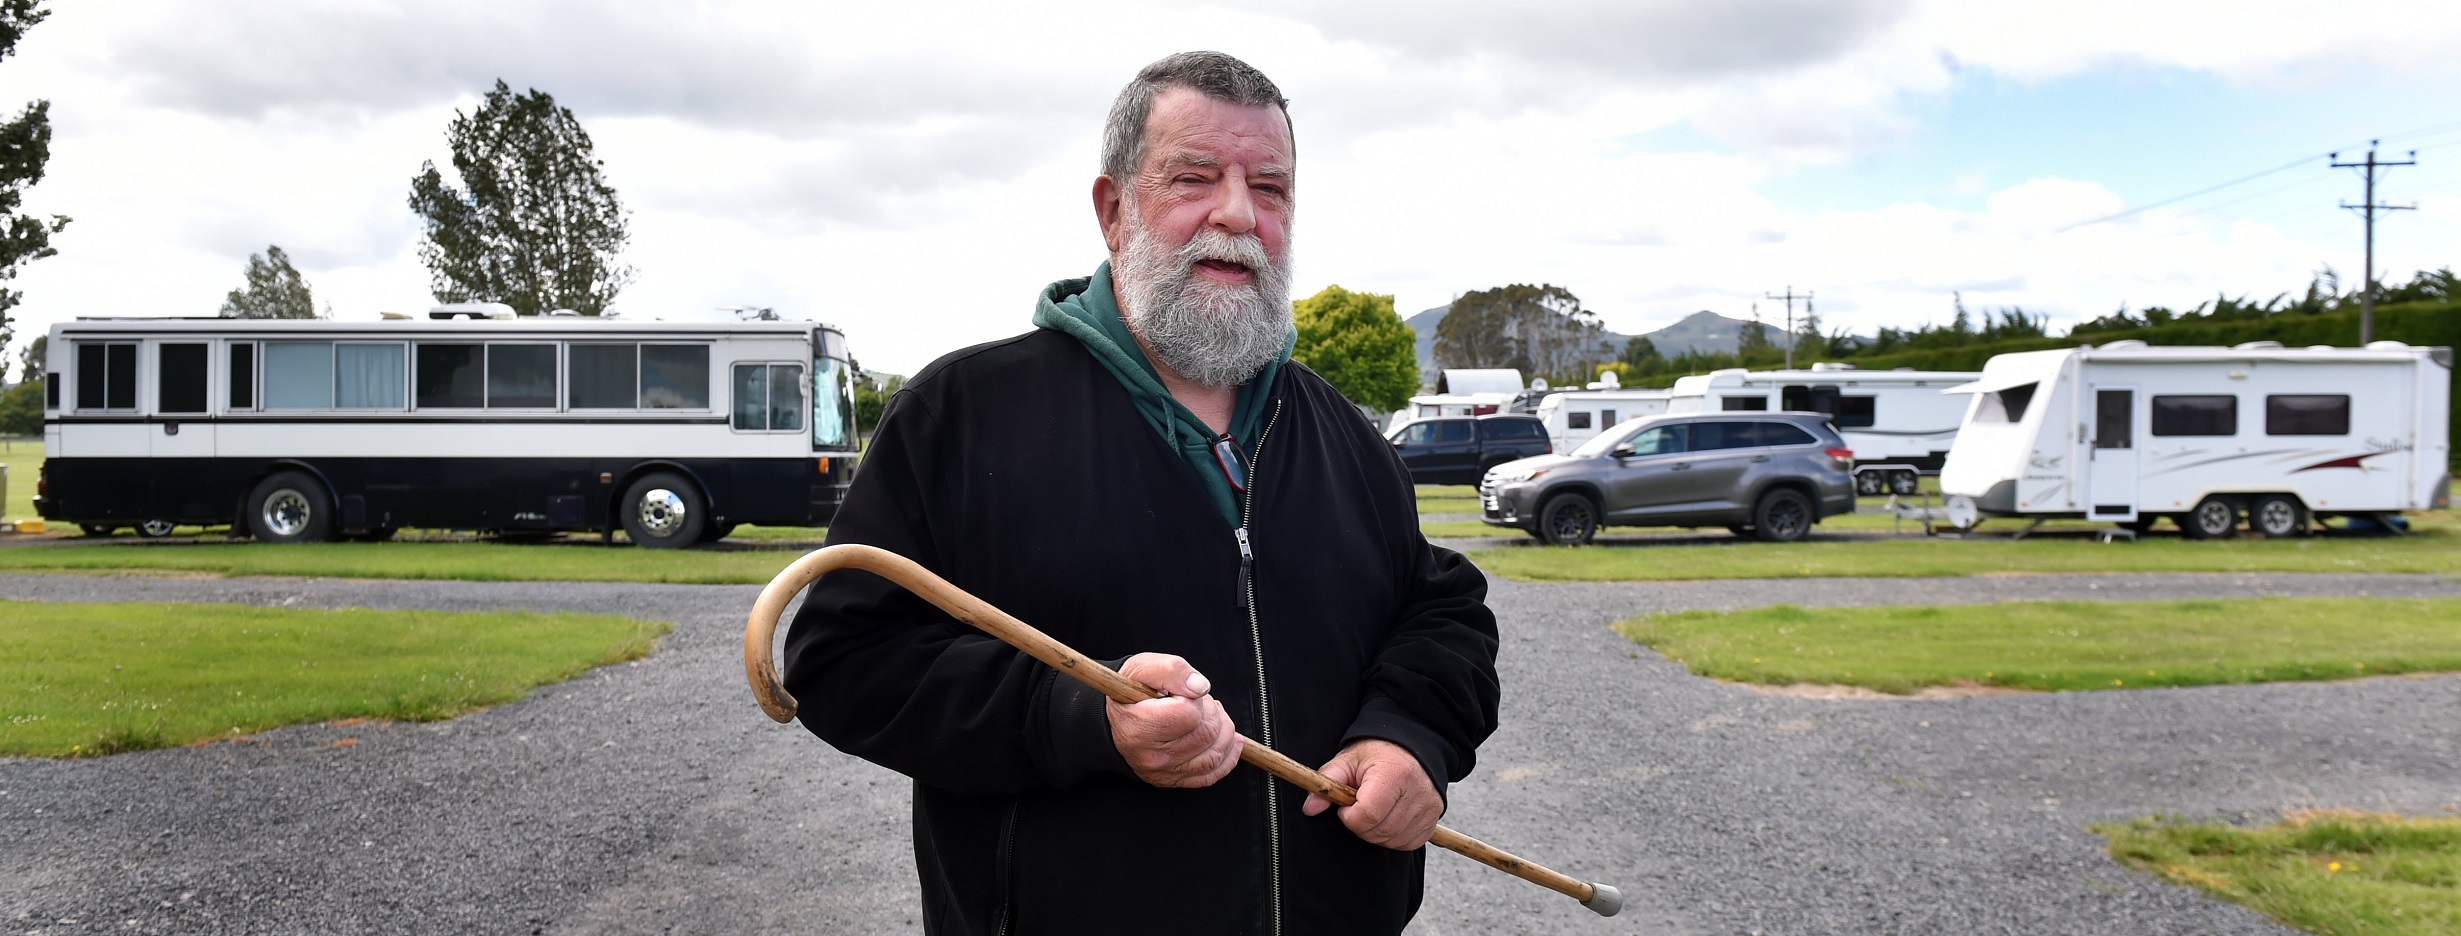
(654, 797)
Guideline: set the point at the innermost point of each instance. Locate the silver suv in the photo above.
(1770, 475)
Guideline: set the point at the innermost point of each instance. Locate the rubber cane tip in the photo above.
(1604, 900)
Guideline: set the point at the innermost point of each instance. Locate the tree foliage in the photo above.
(274, 290)
(25, 148)
(1357, 343)
(21, 409)
(872, 394)
(1540, 330)
(34, 361)
(535, 225)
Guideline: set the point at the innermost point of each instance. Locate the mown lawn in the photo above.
(82, 680)
(585, 561)
(2434, 547)
(24, 458)
(2063, 645)
(1447, 498)
(2335, 873)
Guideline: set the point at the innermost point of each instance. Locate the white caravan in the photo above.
(1463, 392)
(2130, 434)
(1578, 415)
(1891, 417)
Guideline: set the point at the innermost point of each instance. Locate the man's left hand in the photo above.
(1398, 806)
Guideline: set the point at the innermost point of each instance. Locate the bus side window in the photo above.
(106, 375)
(674, 376)
(179, 378)
(243, 375)
(603, 376)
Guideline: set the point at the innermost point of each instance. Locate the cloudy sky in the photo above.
(915, 172)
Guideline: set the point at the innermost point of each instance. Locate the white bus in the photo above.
(303, 431)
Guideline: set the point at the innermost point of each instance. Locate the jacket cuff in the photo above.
(1078, 730)
(1384, 720)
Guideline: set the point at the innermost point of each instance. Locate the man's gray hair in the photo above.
(1211, 74)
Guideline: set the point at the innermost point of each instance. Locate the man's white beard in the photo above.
(1215, 334)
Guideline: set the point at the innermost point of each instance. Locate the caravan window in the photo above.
(1576, 420)
(1855, 412)
(2195, 415)
(2299, 414)
(2005, 406)
(1737, 404)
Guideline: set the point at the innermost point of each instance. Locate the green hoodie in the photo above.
(1083, 308)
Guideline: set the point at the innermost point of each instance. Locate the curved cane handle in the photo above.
(760, 633)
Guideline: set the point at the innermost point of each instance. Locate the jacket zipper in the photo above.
(1256, 638)
(1008, 865)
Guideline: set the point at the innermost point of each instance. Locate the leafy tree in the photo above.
(33, 362)
(21, 409)
(25, 146)
(1359, 345)
(872, 398)
(1638, 354)
(537, 226)
(1539, 330)
(274, 290)
(1752, 340)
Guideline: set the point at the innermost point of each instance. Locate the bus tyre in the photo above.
(717, 531)
(663, 511)
(1782, 516)
(1567, 520)
(290, 507)
(2278, 516)
(2213, 518)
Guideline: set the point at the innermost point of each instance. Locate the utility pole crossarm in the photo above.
(1790, 297)
(2367, 209)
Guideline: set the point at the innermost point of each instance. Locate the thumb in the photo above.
(1342, 770)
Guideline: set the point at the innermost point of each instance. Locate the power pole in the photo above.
(2367, 209)
(1790, 297)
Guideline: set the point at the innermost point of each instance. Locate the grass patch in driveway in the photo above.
(82, 679)
(467, 561)
(2325, 872)
(2063, 645)
(2433, 547)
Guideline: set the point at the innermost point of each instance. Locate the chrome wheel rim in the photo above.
(2215, 518)
(661, 512)
(155, 528)
(287, 513)
(2278, 517)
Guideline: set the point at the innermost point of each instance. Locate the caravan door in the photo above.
(2110, 474)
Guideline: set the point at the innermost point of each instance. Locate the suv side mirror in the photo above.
(1622, 451)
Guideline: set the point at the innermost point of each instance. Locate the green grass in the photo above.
(1447, 498)
(762, 534)
(90, 679)
(2063, 645)
(24, 458)
(2335, 873)
(2434, 547)
(468, 561)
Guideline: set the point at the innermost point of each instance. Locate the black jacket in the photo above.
(1020, 472)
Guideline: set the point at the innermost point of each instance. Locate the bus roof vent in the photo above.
(471, 310)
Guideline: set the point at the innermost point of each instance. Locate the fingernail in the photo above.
(1198, 684)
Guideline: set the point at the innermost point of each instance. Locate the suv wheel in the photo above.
(1567, 520)
(1782, 516)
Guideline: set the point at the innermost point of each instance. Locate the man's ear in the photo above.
(1107, 208)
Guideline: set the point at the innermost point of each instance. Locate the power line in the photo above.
(1790, 297)
(2367, 209)
(2420, 133)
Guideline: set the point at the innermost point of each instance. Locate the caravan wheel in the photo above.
(2278, 516)
(2213, 518)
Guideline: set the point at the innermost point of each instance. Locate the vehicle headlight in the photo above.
(1502, 476)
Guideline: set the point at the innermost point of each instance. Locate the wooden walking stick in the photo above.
(760, 633)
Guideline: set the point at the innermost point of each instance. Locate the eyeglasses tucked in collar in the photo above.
(1226, 454)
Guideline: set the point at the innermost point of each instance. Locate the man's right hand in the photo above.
(1182, 741)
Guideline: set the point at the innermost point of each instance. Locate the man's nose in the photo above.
(1235, 211)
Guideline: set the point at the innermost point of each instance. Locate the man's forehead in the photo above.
(1188, 128)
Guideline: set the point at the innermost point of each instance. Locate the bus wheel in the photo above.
(98, 529)
(155, 528)
(290, 507)
(663, 511)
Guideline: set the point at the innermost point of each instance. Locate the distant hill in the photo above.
(1698, 332)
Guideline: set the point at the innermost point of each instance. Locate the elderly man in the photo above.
(1149, 478)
